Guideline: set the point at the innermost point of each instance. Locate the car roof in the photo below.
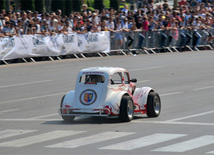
(102, 70)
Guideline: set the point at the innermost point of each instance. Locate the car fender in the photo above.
(68, 99)
(140, 96)
(114, 101)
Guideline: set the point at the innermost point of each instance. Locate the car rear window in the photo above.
(92, 79)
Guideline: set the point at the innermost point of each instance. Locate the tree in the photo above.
(58, 4)
(98, 4)
(68, 7)
(7, 5)
(77, 5)
(27, 5)
(2, 4)
(115, 4)
(39, 5)
(48, 5)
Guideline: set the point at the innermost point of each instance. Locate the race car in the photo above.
(108, 92)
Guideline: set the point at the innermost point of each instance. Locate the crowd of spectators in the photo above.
(195, 13)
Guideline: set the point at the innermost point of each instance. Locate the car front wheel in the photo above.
(153, 105)
(126, 109)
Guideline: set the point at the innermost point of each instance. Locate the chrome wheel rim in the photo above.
(156, 105)
(130, 109)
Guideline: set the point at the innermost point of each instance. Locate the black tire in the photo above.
(153, 105)
(66, 118)
(126, 109)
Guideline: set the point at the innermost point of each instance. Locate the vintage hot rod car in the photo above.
(109, 92)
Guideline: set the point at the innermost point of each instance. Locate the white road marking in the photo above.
(202, 88)
(55, 114)
(143, 141)
(39, 138)
(173, 93)
(22, 84)
(212, 152)
(11, 133)
(191, 116)
(90, 139)
(31, 98)
(188, 145)
(26, 120)
(131, 70)
(177, 123)
(9, 110)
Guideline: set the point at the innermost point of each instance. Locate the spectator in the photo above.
(52, 26)
(84, 8)
(88, 25)
(193, 3)
(139, 22)
(79, 28)
(19, 27)
(193, 14)
(182, 2)
(110, 24)
(7, 31)
(95, 18)
(145, 24)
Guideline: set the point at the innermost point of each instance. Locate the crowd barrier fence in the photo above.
(150, 42)
(175, 40)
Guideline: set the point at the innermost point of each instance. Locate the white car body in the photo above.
(103, 98)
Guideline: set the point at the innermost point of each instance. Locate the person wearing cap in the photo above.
(95, 18)
(84, 8)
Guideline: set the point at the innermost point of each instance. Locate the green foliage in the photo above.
(27, 5)
(68, 7)
(58, 4)
(98, 4)
(106, 3)
(90, 3)
(114, 4)
(39, 5)
(2, 4)
(77, 4)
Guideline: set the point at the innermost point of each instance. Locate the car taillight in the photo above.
(65, 111)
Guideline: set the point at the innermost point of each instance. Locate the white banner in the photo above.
(55, 45)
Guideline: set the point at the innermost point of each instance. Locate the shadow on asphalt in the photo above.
(91, 120)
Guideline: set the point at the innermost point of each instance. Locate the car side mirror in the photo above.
(133, 80)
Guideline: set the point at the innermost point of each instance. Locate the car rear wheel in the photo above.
(65, 118)
(153, 105)
(126, 109)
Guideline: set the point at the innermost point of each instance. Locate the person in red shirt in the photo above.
(182, 2)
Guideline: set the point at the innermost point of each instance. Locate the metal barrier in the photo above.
(152, 42)
(162, 40)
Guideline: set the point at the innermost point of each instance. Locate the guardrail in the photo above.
(148, 42)
(162, 40)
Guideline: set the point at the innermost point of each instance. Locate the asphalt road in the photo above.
(30, 96)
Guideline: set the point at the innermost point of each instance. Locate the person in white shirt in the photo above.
(52, 26)
(110, 24)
